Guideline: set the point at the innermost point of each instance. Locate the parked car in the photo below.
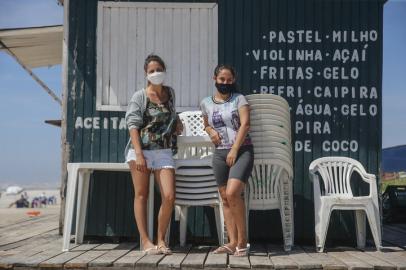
(394, 204)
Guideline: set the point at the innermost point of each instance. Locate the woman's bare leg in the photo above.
(234, 190)
(228, 219)
(141, 192)
(166, 182)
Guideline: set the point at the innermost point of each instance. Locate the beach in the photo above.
(14, 215)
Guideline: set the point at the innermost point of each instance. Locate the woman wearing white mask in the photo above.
(153, 125)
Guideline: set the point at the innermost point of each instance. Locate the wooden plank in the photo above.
(149, 261)
(37, 222)
(351, 261)
(57, 262)
(328, 262)
(24, 223)
(34, 261)
(85, 247)
(27, 243)
(8, 262)
(106, 246)
(239, 262)
(111, 256)
(33, 230)
(261, 262)
(304, 260)
(397, 258)
(215, 261)
(376, 262)
(280, 258)
(24, 255)
(81, 262)
(196, 258)
(175, 260)
(259, 257)
(129, 260)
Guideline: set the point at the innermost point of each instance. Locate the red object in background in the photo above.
(33, 213)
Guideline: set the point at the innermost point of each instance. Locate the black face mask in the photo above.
(225, 88)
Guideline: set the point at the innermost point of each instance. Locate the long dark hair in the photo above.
(221, 67)
(156, 58)
(230, 68)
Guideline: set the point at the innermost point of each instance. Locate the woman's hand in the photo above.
(231, 157)
(214, 136)
(179, 127)
(141, 163)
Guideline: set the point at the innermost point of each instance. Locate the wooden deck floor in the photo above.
(35, 244)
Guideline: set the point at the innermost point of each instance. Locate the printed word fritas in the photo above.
(100, 123)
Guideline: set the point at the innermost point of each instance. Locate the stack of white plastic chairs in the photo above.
(195, 181)
(271, 183)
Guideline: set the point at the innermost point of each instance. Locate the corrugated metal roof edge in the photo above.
(35, 27)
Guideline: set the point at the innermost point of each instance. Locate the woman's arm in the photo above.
(242, 132)
(214, 135)
(140, 162)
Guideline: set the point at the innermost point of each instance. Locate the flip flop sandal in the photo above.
(164, 250)
(151, 251)
(224, 249)
(242, 252)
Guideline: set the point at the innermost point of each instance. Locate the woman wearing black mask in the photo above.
(227, 119)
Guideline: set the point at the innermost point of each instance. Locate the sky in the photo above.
(30, 153)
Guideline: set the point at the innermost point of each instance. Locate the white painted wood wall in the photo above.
(183, 34)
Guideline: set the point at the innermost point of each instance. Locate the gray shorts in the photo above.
(242, 168)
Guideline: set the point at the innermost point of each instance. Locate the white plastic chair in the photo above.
(275, 106)
(270, 185)
(192, 123)
(270, 111)
(196, 186)
(193, 126)
(266, 98)
(336, 194)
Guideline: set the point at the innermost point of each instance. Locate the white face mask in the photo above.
(156, 77)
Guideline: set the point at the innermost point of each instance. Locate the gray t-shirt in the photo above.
(224, 118)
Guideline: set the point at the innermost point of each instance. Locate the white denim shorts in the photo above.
(156, 159)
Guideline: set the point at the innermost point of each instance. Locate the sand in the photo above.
(15, 215)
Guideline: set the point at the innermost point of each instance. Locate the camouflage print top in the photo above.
(159, 127)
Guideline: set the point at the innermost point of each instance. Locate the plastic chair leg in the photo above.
(322, 221)
(219, 224)
(168, 232)
(70, 202)
(374, 224)
(81, 209)
(183, 225)
(360, 224)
